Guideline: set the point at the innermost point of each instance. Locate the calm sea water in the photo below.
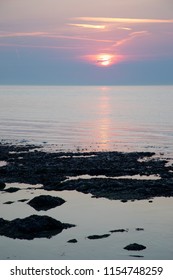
(91, 118)
(102, 118)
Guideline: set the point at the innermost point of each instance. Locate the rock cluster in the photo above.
(27, 164)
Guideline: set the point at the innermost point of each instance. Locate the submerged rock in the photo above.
(136, 256)
(22, 200)
(32, 227)
(8, 202)
(139, 229)
(72, 241)
(45, 202)
(135, 247)
(98, 236)
(119, 230)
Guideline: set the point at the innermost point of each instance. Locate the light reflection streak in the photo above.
(103, 125)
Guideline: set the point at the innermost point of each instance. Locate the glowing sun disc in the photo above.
(104, 59)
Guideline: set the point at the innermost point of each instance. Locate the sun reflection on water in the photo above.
(103, 125)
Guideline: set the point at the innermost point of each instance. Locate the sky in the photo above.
(78, 42)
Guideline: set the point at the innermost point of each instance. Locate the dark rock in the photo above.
(136, 256)
(2, 185)
(72, 241)
(150, 201)
(98, 236)
(8, 202)
(45, 202)
(22, 200)
(32, 227)
(139, 229)
(12, 190)
(135, 247)
(119, 230)
(121, 189)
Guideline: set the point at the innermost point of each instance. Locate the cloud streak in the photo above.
(92, 26)
(22, 34)
(40, 46)
(50, 35)
(124, 28)
(130, 37)
(124, 20)
(78, 38)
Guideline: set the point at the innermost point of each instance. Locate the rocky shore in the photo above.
(112, 175)
(62, 170)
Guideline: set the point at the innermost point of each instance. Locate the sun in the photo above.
(104, 59)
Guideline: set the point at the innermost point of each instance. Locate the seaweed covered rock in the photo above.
(45, 202)
(32, 227)
(98, 236)
(29, 165)
(135, 247)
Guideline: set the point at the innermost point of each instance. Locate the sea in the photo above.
(90, 118)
